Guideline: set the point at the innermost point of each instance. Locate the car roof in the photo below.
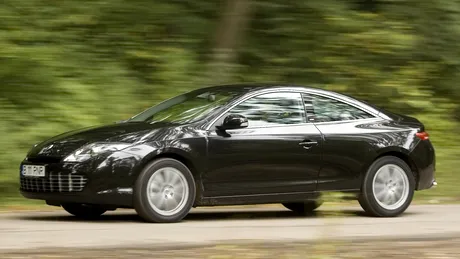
(250, 87)
(245, 88)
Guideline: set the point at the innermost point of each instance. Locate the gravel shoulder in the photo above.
(396, 249)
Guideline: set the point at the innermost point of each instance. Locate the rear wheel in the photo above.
(306, 207)
(388, 187)
(84, 211)
(164, 192)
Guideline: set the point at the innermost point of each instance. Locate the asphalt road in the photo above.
(124, 228)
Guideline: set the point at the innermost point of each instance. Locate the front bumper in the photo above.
(92, 182)
(110, 198)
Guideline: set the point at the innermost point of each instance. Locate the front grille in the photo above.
(55, 182)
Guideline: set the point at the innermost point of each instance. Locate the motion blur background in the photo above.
(69, 64)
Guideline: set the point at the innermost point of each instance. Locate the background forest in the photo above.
(69, 64)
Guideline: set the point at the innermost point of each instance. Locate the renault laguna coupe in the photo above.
(234, 145)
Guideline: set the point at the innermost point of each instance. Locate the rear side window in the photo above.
(323, 109)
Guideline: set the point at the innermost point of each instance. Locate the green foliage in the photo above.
(71, 64)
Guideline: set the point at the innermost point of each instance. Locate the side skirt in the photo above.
(257, 199)
(269, 198)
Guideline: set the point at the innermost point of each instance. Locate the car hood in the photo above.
(64, 144)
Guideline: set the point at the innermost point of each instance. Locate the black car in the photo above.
(235, 144)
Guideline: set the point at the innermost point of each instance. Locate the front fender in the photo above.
(192, 151)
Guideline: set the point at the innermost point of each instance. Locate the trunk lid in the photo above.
(406, 120)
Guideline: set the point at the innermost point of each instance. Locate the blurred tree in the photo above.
(230, 32)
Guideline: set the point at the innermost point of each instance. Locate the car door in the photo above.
(279, 151)
(348, 140)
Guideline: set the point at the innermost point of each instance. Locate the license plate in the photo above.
(33, 170)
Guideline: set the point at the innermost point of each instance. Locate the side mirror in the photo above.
(234, 121)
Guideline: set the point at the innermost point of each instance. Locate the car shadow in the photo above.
(106, 218)
(196, 216)
(256, 215)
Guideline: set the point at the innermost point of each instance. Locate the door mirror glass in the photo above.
(234, 121)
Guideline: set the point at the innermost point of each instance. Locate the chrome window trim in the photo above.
(372, 111)
(309, 124)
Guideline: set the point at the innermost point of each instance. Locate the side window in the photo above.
(322, 109)
(272, 109)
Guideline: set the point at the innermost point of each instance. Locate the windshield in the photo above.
(187, 108)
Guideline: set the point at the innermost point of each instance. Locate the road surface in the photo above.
(124, 228)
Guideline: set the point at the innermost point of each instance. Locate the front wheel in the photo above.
(164, 192)
(84, 211)
(388, 187)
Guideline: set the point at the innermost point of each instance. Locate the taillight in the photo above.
(422, 135)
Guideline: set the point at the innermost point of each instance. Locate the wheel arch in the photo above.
(400, 153)
(184, 158)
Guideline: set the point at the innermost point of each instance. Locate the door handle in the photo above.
(305, 143)
(308, 144)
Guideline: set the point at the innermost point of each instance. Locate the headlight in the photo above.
(91, 150)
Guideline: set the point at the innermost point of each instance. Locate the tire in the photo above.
(387, 177)
(84, 211)
(303, 207)
(164, 182)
